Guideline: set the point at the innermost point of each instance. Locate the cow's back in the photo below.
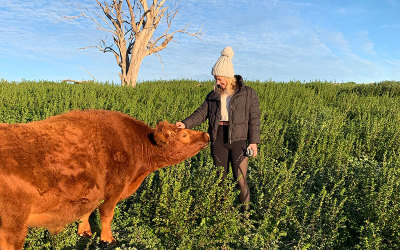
(41, 152)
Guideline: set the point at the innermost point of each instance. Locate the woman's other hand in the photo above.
(254, 148)
(180, 125)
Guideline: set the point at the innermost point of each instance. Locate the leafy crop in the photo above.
(327, 174)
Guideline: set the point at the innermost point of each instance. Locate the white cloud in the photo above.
(365, 43)
(394, 62)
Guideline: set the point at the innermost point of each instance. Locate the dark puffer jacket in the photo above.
(244, 114)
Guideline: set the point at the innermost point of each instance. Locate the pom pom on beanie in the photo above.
(224, 66)
(228, 51)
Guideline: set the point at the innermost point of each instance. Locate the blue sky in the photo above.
(279, 40)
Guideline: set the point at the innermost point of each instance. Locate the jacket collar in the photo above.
(215, 96)
(239, 82)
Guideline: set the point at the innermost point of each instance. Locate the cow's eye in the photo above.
(184, 135)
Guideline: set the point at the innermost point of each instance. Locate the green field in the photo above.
(327, 175)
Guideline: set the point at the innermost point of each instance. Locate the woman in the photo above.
(233, 114)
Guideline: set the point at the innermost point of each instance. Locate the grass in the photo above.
(327, 174)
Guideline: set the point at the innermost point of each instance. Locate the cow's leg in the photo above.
(84, 226)
(13, 227)
(106, 216)
(10, 240)
(15, 208)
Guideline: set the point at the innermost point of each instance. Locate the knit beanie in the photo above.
(224, 66)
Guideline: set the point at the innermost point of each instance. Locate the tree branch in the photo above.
(99, 26)
(153, 47)
(160, 5)
(144, 5)
(163, 45)
(108, 14)
(132, 20)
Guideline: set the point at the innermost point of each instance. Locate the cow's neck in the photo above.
(161, 157)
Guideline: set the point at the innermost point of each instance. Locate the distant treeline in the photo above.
(327, 176)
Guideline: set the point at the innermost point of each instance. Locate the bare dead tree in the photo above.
(132, 24)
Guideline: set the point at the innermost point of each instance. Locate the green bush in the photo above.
(327, 174)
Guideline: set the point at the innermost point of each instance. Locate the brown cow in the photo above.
(59, 170)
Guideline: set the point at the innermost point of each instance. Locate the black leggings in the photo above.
(224, 152)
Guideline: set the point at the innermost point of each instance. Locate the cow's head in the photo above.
(179, 144)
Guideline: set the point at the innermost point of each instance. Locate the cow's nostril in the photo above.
(206, 136)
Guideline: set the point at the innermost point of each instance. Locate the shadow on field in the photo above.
(92, 243)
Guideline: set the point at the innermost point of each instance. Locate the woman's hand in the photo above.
(180, 125)
(253, 147)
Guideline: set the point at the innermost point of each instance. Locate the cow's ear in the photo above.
(162, 133)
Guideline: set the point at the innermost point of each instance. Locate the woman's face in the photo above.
(221, 82)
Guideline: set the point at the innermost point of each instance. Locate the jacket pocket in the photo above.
(238, 111)
(239, 117)
(239, 131)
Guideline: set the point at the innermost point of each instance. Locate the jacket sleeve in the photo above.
(254, 119)
(198, 116)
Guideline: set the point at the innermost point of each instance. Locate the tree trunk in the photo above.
(130, 78)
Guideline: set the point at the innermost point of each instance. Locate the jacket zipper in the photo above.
(230, 117)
